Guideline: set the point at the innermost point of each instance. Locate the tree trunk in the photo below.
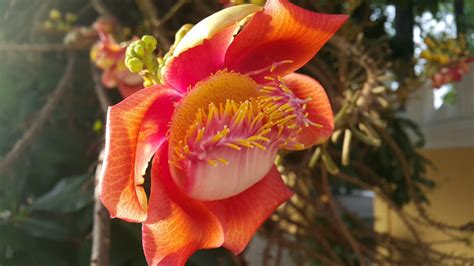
(404, 23)
(459, 13)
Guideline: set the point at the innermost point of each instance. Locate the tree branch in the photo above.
(44, 114)
(100, 254)
(102, 9)
(35, 48)
(149, 10)
(101, 227)
(100, 90)
(172, 11)
(337, 219)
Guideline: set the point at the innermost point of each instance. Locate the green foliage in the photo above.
(68, 195)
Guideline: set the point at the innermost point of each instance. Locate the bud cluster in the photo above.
(142, 59)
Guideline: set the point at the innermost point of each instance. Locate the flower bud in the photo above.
(134, 65)
(150, 43)
(71, 18)
(130, 53)
(55, 14)
(139, 49)
(147, 83)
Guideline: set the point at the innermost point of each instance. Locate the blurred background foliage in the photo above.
(46, 188)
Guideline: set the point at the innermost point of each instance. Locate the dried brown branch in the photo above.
(102, 9)
(382, 196)
(411, 187)
(203, 7)
(337, 219)
(149, 10)
(359, 104)
(314, 232)
(44, 114)
(295, 245)
(171, 12)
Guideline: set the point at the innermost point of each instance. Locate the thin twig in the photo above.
(310, 252)
(203, 7)
(382, 196)
(149, 10)
(100, 90)
(100, 254)
(101, 227)
(101, 8)
(411, 187)
(35, 48)
(172, 11)
(337, 219)
(44, 114)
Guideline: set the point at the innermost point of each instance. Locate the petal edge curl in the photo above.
(133, 128)
(176, 225)
(198, 63)
(243, 214)
(318, 108)
(283, 31)
(209, 26)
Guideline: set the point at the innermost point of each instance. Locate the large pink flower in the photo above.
(229, 103)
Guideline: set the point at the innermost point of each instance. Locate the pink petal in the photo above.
(199, 62)
(127, 90)
(245, 168)
(108, 79)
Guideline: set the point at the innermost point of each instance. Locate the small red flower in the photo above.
(229, 103)
(451, 73)
(109, 56)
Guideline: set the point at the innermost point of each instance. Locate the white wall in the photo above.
(450, 126)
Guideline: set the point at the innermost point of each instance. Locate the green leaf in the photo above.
(68, 195)
(43, 228)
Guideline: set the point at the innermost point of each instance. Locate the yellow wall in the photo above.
(452, 200)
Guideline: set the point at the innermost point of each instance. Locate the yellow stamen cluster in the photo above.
(280, 100)
(261, 123)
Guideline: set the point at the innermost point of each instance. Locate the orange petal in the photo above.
(176, 226)
(318, 108)
(243, 214)
(281, 32)
(136, 127)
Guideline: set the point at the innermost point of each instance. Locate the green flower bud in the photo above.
(47, 25)
(134, 65)
(147, 83)
(139, 49)
(181, 32)
(54, 14)
(130, 50)
(71, 18)
(150, 43)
